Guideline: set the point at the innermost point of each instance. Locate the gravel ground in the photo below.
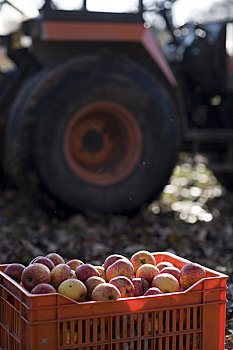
(193, 219)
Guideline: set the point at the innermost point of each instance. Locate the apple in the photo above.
(111, 259)
(153, 291)
(72, 274)
(91, 283)
(56, 258)
(84, 271)
(14, 271)
(43, 260)
(163, 264)
(39, 256)
(140, 286)
(166, 282)
(74, 289)
(102, 272)
(121, 267)
(43, 288)
(74, 263)
(142, 257)
(67, 338)
(105, 291)
(125, 286)
(59, 273)
(191, 273)
(35, 274)
(173, 271)
(147, 271)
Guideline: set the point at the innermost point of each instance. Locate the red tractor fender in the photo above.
(108, 32)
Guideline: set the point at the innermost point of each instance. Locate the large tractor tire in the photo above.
(96, 133)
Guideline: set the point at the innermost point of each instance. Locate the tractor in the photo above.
(95, 106)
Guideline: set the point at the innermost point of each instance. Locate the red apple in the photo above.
(91, 283)
(111, 259)
(43, 288)
(191, 273)
(74, 263)
(153, 291)
(59, 273)
(84, 271)
(121, 267)
(172, 270)
(14, 271)
(182, 289)
(43, 260)
(105, 291)
(33, 260)
(35, 274)
(125, 286)
(56, 258)
(147, 271)
(74, 289)
(140, 286)
(166, 282)
(163, 264)
(142, 257)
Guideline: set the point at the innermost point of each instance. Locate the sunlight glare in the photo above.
(195, 191)
(112, 6)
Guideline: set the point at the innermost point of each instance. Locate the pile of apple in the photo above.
(118, 277)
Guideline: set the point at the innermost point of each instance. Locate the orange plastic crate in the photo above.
(189, 320)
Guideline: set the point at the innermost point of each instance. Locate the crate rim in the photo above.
(218, 276)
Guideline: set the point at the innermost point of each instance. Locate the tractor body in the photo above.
(95, 109)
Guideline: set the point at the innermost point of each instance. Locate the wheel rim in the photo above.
(102, 143)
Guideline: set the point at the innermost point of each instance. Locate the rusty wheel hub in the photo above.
(102, 143)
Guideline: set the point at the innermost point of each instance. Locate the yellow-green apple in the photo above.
(43, 288)
(14, 270)
(74, 289)
(140, 286)
(72, 274)
(166, 282)
(56, 258)
(59, 273)
(45, 261)
(121, 267)
(125, 286)
(101, 271)
(191, 273)
(153, 291)
(147, 271)
(163, 264)
(67, 339)
(74, 263)
(172, 270)
(91, 283)
(111, 259)
(84, 271)
(105, 291)
(142, 257)
(35, 274)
